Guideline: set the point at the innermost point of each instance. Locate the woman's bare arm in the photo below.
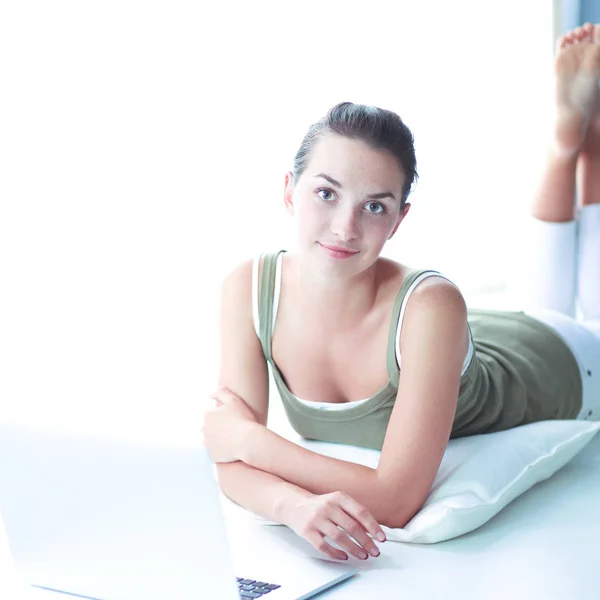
(264, 494)
(243, 368)
(244, 371)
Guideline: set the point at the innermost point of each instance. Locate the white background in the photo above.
(144, 147)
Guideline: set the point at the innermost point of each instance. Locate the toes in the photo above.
(561, 42)
(572, 36)
(565, 40)
(587, 33)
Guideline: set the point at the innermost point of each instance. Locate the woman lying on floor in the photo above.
(369, 352)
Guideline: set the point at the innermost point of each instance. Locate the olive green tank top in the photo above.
(521, 371)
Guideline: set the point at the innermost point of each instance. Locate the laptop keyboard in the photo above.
(249, 588)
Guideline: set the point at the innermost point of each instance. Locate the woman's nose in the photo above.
(344, 225)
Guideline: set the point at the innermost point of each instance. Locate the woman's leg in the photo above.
(552, 280)
(548, 274)
(588, 280)
(588, 271)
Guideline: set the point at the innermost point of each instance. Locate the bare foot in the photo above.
(577, 69)
(591, 143)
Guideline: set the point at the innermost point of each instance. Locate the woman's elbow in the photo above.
(399, 519)
(397, 514)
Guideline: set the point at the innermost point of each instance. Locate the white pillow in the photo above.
(479, 475)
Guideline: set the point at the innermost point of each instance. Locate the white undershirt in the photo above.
(339, 405)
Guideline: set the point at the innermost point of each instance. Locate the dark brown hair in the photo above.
(379, 128)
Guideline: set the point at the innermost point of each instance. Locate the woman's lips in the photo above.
(338, 251)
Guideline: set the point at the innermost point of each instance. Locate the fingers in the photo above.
(342, 538)
(223, 394)
(362, 515)
(346, 532)
(346, 523)
(357, 531)
(318, 541)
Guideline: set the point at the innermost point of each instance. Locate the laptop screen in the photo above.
(11, 584)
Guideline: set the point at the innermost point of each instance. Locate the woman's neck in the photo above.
(341, 302)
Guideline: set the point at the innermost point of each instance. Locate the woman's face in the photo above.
(346, 203)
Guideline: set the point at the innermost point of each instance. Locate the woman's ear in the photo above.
(401, 216)
(288, 192)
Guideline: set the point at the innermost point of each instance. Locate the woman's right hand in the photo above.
(341, 519)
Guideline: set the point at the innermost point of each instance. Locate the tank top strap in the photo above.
(391, 362)
(265, 301)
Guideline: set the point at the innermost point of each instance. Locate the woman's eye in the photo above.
(375, 208)
(325, 194)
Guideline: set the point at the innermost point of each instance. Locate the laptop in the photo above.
(11, 585)
(112, 519)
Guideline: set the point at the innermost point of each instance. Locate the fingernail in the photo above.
(362, 555)
(381, 537)
(374, 552)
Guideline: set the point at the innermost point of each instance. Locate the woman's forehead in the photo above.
(352, 161)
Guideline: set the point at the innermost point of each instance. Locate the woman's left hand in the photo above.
(227, 425)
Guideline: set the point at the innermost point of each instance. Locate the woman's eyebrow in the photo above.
(330, 179)
(379, 196)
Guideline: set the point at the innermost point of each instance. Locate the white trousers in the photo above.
(558, 282)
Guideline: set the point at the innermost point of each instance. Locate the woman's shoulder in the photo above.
(435, 309)
(434, 300)
(394, 275)
(241, 279)
(433, 290)
(241, 272)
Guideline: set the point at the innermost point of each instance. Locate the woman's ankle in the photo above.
(589, 177)
(554, 201)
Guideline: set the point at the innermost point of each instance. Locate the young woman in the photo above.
(370, 352)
